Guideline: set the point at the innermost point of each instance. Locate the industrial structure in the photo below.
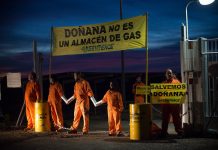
(199, 69)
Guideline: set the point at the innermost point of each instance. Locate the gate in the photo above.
(209, 52)
(199, 69)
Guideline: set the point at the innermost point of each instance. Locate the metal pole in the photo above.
(121, 10)
(146, 79)
(122, 61)
(205, 92)
(40, 60)
(20, 115)
(51, 47)
(186, 18)
(34, 56)
(22, 111)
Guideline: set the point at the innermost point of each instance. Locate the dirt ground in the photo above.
(98, 138)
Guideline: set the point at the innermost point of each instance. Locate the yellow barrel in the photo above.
(42, 121)
(140, 121)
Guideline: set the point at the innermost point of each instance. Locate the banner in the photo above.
(141, 90)
(113, 36)
(168, 93)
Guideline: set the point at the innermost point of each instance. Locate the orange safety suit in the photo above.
(32, 94)
(55, 102)
(114, 108)
(171, 109)
(137, 97)
(82, 92)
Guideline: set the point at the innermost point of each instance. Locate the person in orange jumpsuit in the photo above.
(55, 97)
(32, 95)
(171, 109)
(82, 92)
(139, 99)
(113, 98)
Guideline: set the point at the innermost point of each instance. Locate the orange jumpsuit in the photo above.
(114, 108)
(138, 98)
(82, 92)
(32, 93)
(171, 109)
(55, 102)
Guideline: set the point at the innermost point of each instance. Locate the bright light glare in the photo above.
(206, 2)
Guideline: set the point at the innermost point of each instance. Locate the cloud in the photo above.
(23, 21)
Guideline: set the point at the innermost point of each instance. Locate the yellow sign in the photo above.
(168, 93)
(141, 90)
(113, 36)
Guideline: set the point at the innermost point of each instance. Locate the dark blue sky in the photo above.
(23, 21)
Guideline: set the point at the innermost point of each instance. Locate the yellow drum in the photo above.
(42, 121)
(140, 121)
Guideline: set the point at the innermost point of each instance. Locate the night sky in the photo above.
(23, 21)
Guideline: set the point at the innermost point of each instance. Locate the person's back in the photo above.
(55, 97)
(55, 92)
(32, 95)
(82, 92)
(114, 101)
(32, 91)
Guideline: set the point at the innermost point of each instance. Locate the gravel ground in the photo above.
(98, 139)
